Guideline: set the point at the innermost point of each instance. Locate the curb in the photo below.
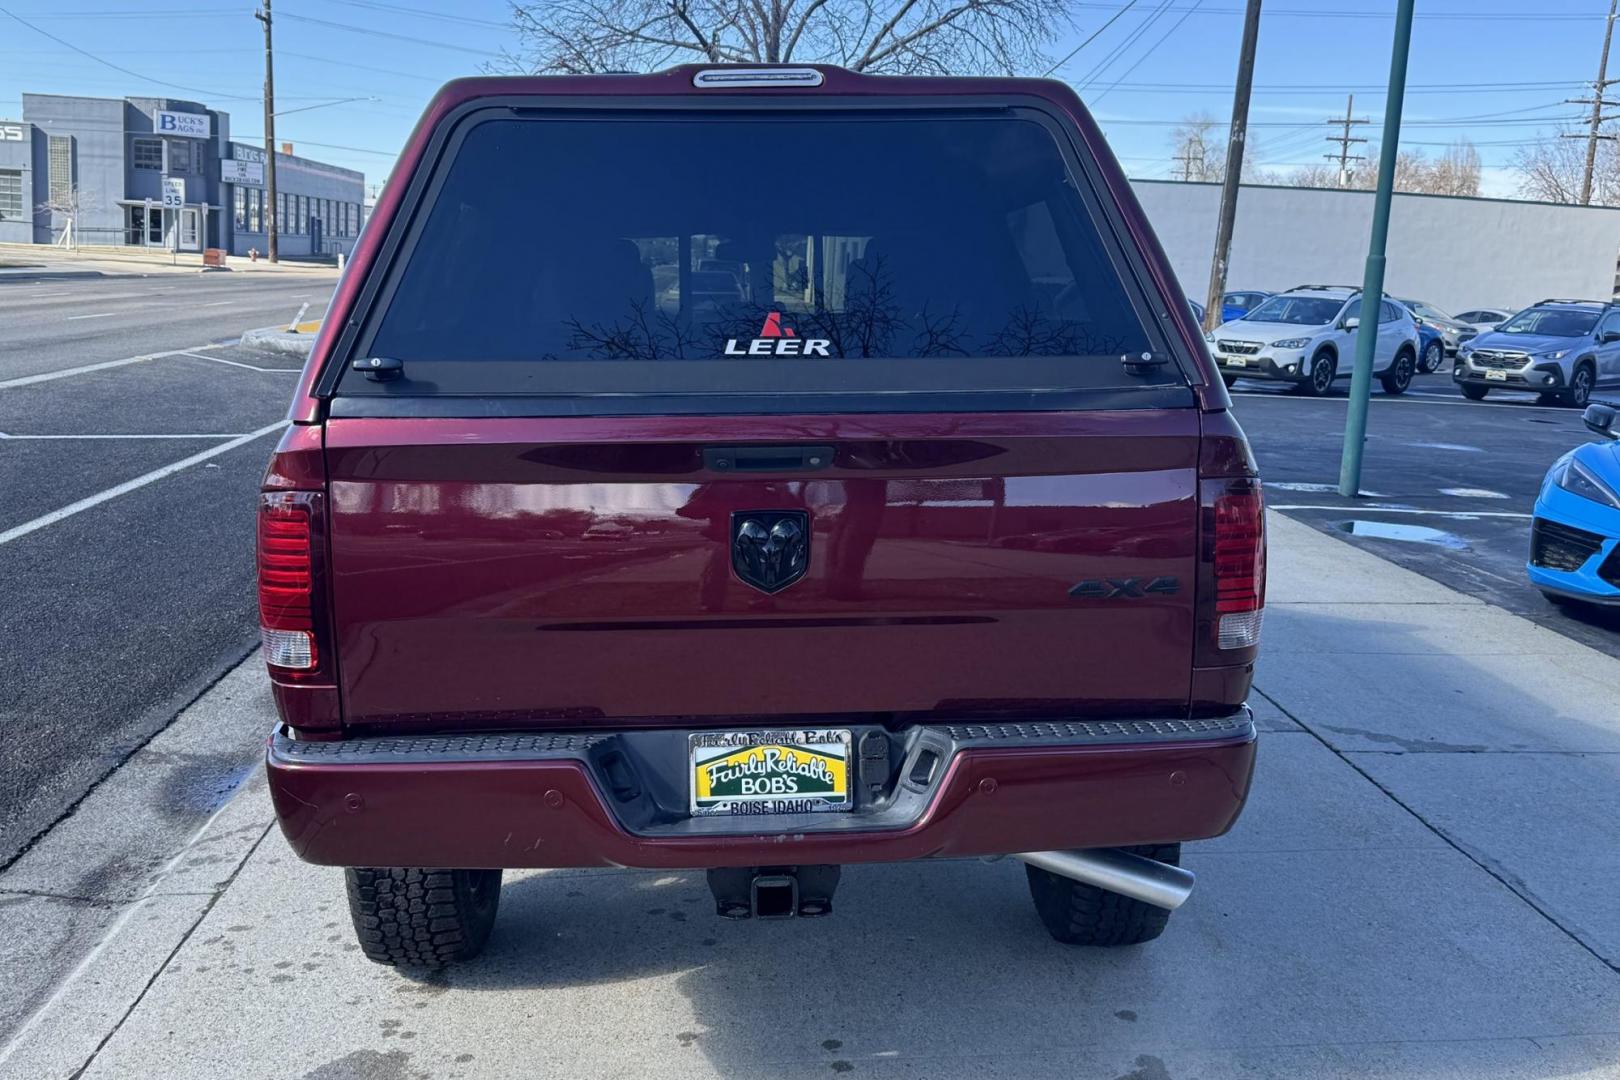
(280, 339)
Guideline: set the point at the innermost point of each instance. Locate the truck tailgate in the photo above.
(567, 571)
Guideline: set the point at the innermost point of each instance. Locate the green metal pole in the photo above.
(1372, 285)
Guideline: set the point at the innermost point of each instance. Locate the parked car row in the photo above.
(1560, 349)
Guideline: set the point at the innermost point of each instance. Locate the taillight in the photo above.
(291, 611)
(1233, 593)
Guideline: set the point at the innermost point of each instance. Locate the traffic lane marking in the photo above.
(186, 435)
(239, 364)
(82, 369)
(45, 521)
(97, 315)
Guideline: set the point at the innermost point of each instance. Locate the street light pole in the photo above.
(1236, 137)
(1372, 285)
(270, 222)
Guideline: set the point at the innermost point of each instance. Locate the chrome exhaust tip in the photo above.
(1135, 876)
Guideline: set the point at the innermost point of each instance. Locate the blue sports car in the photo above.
(1575, 537)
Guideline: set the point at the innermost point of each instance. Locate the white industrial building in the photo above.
(1456, 253)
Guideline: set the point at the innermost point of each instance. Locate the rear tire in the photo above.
(1399, 376)
(409, 917)
(1324, 367)
(1474, 393)
(1078, 914)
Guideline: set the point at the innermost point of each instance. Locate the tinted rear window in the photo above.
(677, 255)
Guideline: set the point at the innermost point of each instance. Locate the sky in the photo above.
(353, 75)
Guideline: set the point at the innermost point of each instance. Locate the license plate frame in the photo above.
(1496, 376)
(1235, 361)
(771, 771)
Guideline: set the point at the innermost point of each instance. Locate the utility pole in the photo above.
(1372, 285)
(1187, 157)
(1344, 155)
(1599, 85)
(1237, 133)
(270, 222)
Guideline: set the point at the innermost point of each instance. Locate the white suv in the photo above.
(1307, 336)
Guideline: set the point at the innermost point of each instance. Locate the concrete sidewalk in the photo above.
(1423, 886)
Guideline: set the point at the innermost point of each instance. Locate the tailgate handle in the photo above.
(759, 459)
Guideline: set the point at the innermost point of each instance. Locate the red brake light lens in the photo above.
(288, 600)
(1239, 565)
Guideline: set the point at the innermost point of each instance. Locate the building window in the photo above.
(60, 176)
(180, 156)
(241, 207)
(11, 197)
(258, 209)
(147, 153)
(281, 212)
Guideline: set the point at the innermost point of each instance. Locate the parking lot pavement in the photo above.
(1376, 913)
(1448, 485)
(130, 451)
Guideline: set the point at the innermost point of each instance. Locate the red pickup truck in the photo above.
(758, 470)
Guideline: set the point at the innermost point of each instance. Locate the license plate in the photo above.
(790, 771)
(1234, 361)
(1496, 376)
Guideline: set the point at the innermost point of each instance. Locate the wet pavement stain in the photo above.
(368, 1065)
(1148, 1067)
(1411, 534)
(1126, 1015)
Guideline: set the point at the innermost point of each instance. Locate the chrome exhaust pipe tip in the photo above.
(1135, 876)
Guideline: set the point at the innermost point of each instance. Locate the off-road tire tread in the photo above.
(410, 917)
(1078, 914)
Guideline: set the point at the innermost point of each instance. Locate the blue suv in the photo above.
(1559, 349)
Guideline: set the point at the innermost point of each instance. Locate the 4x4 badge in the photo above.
(770, 549)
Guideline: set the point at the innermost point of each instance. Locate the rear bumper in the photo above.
(567, 800)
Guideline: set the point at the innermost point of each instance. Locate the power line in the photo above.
(1152, 47)
(386, 34)
(442, 16)
(1075, 51)
(1468, 16)
(118, 67)
(1124, 46)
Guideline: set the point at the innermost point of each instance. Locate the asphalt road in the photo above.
(1448, 485)
(117, 615)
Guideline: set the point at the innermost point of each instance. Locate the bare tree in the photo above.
(1551, 170)
(887, 36)
(1455, 172)
(70, 203)
(1200, 149)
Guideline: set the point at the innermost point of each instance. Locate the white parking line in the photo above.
(1412, 399)
(218, 303)
(127, 486)
(238, 363)
(1356, 509)
(47, 376)
(97, 315)
(188, 435)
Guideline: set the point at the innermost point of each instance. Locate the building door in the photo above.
(190, 235)
(144, 227)
(314, 236)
